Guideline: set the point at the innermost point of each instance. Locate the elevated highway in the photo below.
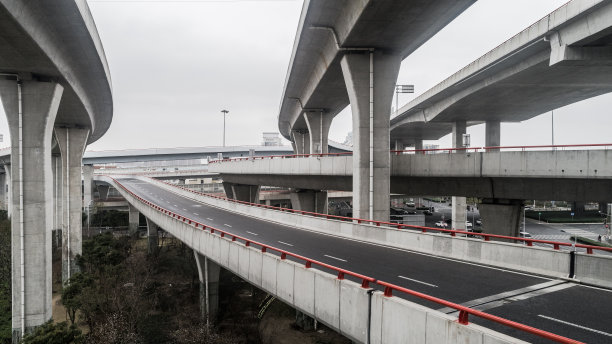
(561, 59)
(350, 52)
(582, 175)
(253, 242)
(55, 87)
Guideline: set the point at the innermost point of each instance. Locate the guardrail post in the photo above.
(463, 317)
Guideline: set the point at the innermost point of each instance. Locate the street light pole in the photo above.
(225, 112)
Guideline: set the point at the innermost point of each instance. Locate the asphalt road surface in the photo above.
(579, 312)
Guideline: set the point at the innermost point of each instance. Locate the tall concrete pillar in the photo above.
(133, 219)
(103, 191)
(370, 79)
(242, 192)
(3, 191)
(152, 236)
(418, 144)
(493, 135)
(58, 200)
(578, 208)
(309, 200)
(301, 141)
(502, 216)
(318, 127)
(208, 272)
(398, 145)
(71, 142)
(459, 208)
(32, 192)
(8, 196)
(88, 171)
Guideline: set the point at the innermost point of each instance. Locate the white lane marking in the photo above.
(252, 233)
(417, 281)
(176, 205)
(225, 224)
(332, 257)
(196, 214)
(209, 219)
(284, 243)
(576, 325)
(184, 209)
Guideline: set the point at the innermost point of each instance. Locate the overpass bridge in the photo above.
(354, 277)
(576, 172)
(561, 59)
(55, 87)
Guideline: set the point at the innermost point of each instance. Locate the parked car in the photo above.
(441, 224)
(524, 235)
(427, 212)
(410, 204)
(479, 222)
(411, 212)
(468, 224)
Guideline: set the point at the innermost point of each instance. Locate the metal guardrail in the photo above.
(366, 280)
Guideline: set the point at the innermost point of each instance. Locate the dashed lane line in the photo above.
(576, 325)
(417, 281)
(284, 243)
(336, 258)
(252, 233)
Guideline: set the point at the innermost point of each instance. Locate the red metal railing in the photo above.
(365, 280)
(453, 232)
(464, 313)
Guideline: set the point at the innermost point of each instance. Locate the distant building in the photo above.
(271, 139)
(348, 141)
(431, 146)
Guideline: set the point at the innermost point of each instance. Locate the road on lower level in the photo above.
(460, 282)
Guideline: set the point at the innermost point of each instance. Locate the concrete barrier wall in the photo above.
(538, 260)
(595, 270)
(592, 164)
(340, 304)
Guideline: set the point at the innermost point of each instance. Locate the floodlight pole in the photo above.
(225, 112)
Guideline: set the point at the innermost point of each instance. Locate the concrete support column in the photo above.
(459, 211)
(370, 79)
(133, 219)
(301, 142)
(88, 171)
(8, 196)
(318, 127)
(31, 108)
(242, 192)
(502, 216)
(208, 272)
(418, 144)
(152, 236)
(103, 191)
(398, 145)
(578, 208)
(309, 200)
(492, 135)
(71, 142)
(3, 191)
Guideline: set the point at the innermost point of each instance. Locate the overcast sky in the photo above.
(175, 64)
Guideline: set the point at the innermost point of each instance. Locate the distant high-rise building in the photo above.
(271, 139)
(349, 139)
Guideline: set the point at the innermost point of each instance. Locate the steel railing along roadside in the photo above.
(341, 273)
(453, 232)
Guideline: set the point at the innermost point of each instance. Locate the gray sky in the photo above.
(176, 64)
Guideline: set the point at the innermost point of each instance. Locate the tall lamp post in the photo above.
(225, 112)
